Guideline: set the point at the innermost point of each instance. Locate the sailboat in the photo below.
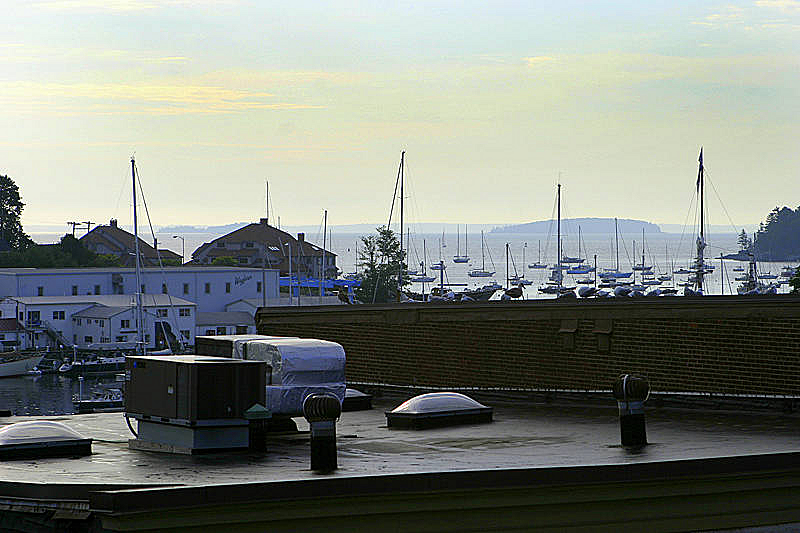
(641, 266)
(424, 277)
(458, 258)
(614, 273)
(555, 285)
(440, 264)
(519, 279)
(538, 264)
(482, 272)
(579, 268)
(573, 260)
(695, 288)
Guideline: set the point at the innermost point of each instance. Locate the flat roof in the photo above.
(523, 435)
(110, 300)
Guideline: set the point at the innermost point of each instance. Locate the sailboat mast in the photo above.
(701, 243)
(642, 249)
(616, 240)
(400, 268)
(139, 325)
(458, 241)
(324, 243)
(559, 275)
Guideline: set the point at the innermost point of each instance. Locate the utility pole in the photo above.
(73, 224)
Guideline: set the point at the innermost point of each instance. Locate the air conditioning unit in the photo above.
(192, 403)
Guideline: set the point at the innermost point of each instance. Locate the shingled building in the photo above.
(259, 245)
(113, 240)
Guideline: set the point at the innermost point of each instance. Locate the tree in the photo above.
(225, 260)
(67, 253)
(382, 261)
(11, 205)
(744, 240)
(794, 281)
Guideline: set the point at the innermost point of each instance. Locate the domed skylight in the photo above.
(438, 409)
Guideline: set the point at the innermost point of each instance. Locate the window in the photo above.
(97, 289)
(208, 288)
(105, 339)
(39, 291)
(241, 330)
(74, 290)
(258, 286)
(185, 288)
(186, 334)
(228, 286)
(79, 321)
(210, 332)
(185, 311)
(125, 324)
(58, 315)
(87, 339)
(163, 288)
(147, 338)
(248, 245)
(102, 323)
(122, 338)
(2, 336)
(74, 339)
(143, 291)
(242, 260)
(220, 330)
(162, 313)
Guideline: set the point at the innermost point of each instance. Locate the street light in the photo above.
(183, 247)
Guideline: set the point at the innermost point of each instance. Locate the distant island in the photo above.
(227, 228)
(587, 225)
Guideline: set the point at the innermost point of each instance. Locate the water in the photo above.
(48, 394)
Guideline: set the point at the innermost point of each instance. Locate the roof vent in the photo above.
(438, 409)
(113, 222)
(41, 438)
(263, 221)
(301, 237)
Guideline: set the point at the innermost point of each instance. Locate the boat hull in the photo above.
(18, 367)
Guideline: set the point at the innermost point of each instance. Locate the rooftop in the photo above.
(109, 300)
(534, 445)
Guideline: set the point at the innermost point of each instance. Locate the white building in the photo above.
(230, 323)
(92, 319)
(211, 288)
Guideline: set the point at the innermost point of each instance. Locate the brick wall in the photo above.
(717, 344)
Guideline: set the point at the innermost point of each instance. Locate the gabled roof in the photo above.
(101, 311)
(265, 234)
(226, 318)
(120, 240)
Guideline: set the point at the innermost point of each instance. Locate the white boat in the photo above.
(423, 277)
(482, 272)
(538, 264)
(18, 364)
(458, 258)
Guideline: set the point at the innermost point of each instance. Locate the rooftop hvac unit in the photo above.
(228, 345)
(190, 403)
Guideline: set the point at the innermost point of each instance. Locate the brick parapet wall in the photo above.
(714, 344)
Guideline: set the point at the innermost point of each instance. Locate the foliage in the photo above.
(11, 235)
(382, 261)
(779, 238)
(225, 260)
(794, 281)
(744, 240)
(67, 253)
(171, 262)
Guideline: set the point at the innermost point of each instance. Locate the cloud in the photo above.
(538, 60)
(152, 99)
(790, 6)
(122, 5)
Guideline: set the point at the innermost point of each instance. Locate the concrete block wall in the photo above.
(714, 344)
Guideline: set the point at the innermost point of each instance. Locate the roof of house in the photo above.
(10, 324)
(261, 232)
(101, 311)
(128, 270)
(108, 300)
(121, 241)
(230, 318)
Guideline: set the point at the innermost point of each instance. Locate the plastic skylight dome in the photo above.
(37, 431)
(438, 409)
(41, 438)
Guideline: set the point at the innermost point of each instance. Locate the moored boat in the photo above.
(18, 363)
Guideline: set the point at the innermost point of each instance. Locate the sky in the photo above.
(492, 102)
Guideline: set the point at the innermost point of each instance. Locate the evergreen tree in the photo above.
(382, 262)
(11, 235)
(744, 240)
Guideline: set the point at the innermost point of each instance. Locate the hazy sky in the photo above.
(491, 100)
